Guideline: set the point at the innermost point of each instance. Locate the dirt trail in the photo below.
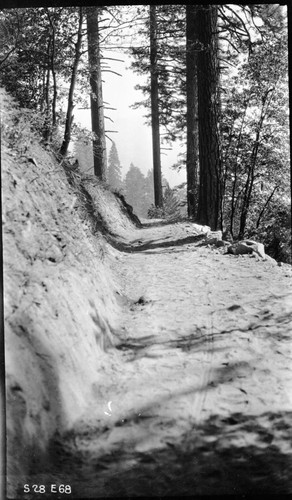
(200, 397)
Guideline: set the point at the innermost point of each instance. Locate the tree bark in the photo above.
(70, 107)
(96, 98)
(158, 198)
(192, 158)
(209, 207)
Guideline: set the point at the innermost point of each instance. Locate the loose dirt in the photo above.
(200, 401)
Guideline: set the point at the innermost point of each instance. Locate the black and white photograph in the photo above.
(146, 250)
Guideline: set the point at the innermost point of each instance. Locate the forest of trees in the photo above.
(137, 188)
(216, 82)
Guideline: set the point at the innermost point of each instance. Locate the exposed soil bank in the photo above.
(60, 297)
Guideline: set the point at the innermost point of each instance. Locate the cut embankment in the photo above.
(60, 297)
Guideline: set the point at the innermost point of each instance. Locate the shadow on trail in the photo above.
(135, 246)
(162, 222)
(241, 454)
(196, 342)
(193, 341)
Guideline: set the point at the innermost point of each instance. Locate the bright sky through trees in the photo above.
(133, 137)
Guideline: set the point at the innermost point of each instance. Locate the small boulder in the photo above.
(200, 229)
(247, 247)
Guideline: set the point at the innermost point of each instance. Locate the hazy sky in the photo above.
(133, 139)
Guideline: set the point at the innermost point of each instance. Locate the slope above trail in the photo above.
(202, 371)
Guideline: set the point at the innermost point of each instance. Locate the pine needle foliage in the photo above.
(171, 207)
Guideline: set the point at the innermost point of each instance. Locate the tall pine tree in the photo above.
(192, 145)
(148, 195)
(114, 176)
(206, 30)
(154, 95)
(96, 96)
(134, 186)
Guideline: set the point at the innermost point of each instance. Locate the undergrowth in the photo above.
(170, 210)
(275, 232)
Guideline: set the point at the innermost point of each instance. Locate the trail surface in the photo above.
(199, 400)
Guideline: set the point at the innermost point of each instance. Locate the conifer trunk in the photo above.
(192, 112)
(158, 199)
(209, 208)
(70, 107)
(96, 97)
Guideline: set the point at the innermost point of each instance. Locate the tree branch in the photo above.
(265, 205)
